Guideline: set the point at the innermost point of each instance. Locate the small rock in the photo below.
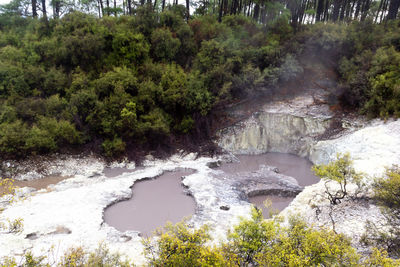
(94, 174)
(214, 164)
(32, 236)
(125, 238)
(276, 170)
(149, 157)
(224, 207)
(61, 230)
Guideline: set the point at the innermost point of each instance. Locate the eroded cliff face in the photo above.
(287, 127)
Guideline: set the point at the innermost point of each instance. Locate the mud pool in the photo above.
(154, 202)
(164, 199)
(287, 164)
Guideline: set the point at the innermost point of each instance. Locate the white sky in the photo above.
(2, 2)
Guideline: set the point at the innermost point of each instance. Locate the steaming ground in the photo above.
(70, 213)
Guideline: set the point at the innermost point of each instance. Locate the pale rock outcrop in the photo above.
(287, 127)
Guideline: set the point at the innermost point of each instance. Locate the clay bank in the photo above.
(71, 213)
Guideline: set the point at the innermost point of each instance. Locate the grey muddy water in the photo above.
(287, 164)
(154, 202)
(162, 199)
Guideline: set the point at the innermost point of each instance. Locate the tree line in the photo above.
(263, 11)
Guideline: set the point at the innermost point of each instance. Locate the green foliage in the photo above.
(327, 37)
(385, 83)
(32, 261)
(103, 257)
(250, 238)
(124, 80)
(113, 147)
(13, 137)
(266, 243)
(387, 190)
(164, 46)
(386, 233)
(129, 48)
(290, 69)
(341, 173)
(300, 245)
(379, 258)
(181, 246)
(370, 70)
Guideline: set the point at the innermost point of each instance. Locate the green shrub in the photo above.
(113, 147)
(163, 45)
(182, 246)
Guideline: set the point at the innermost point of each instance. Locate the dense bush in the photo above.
(123, 80)
(370, 69)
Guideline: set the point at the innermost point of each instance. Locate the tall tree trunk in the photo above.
(365, 9)
(336, 8)
(163, 5)
(34, 9)
(226, 4)
(57, 7)
(108, 7)
(187, 10)
(343, 9)
(352, 10)
(393, 9)
(348, 9)
(221, 2)
(256, 12)
(320, 9)
(249, 10)
(379, 10)
(99, 6)
(358, 8)
(115, 8)
(129, 7)
(44, 9)
(385, 6)
(326, 10)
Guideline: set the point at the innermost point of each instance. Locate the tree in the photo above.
(339, 172)
(44, 11)
(250, 239)
(34, 9)
(187, 10)
(163, 45)
(393, 9)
